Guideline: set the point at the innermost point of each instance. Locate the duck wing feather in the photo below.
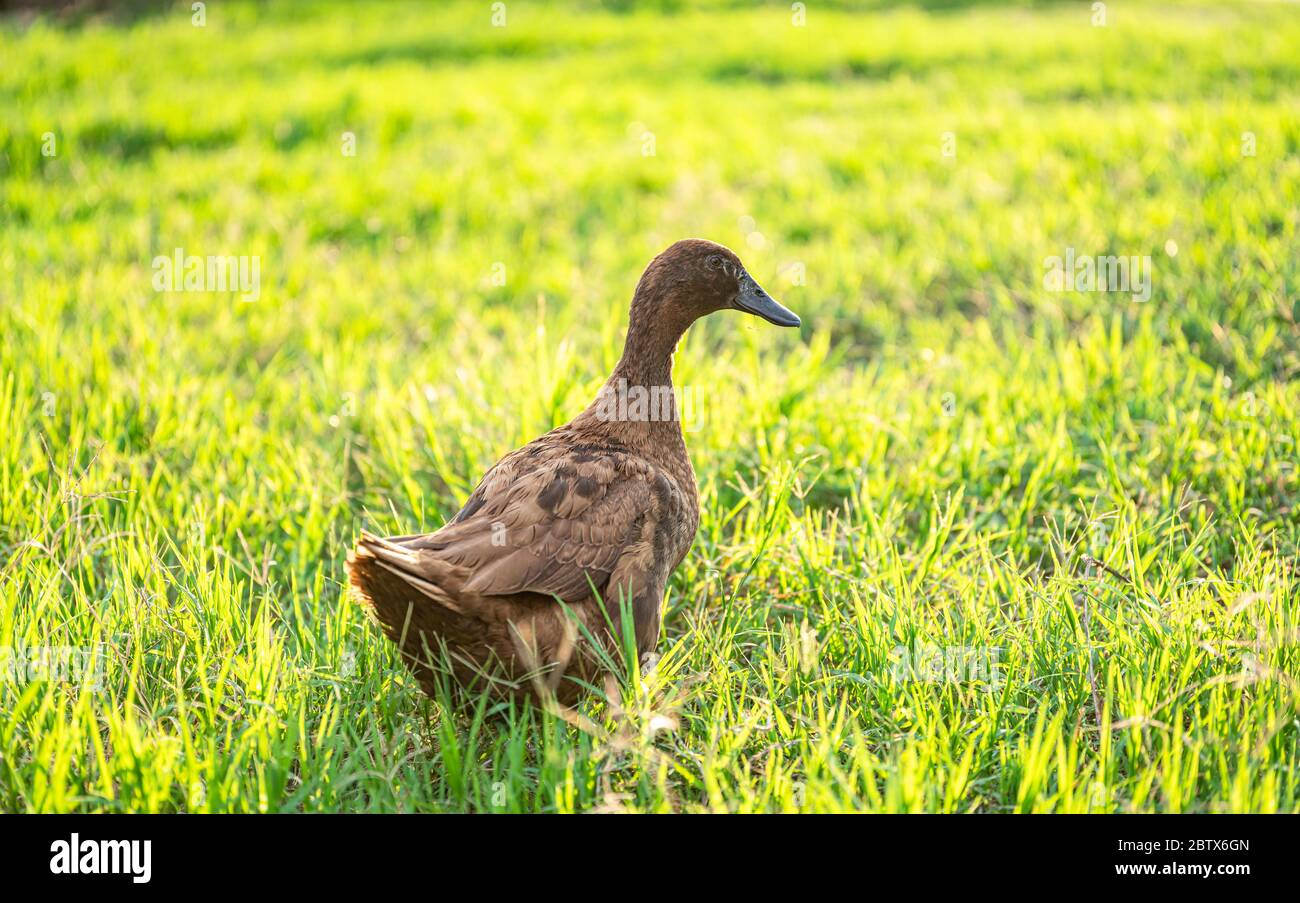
(549, 519)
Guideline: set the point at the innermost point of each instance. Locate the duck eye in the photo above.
(714, 262)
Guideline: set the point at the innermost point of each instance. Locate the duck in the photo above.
(561, 555)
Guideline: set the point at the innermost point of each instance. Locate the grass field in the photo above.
(896, 600)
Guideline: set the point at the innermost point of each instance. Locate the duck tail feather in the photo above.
(372, 567)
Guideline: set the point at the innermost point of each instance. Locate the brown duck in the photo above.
(596, 513)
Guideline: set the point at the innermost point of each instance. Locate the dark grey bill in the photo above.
(752, 299)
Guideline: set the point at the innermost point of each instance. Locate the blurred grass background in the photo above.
(932, 462)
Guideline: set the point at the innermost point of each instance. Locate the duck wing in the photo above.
(551, 520)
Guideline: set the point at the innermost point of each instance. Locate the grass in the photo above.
(936, 468)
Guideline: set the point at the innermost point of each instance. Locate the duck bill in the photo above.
(753, 300)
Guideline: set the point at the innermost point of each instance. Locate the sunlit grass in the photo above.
(943, 459)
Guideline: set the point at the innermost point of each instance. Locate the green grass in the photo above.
(933, 462)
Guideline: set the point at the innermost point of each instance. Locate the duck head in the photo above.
(691, 279)
(696, 277)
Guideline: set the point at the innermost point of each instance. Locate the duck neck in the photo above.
(639, 403)
(648, 355)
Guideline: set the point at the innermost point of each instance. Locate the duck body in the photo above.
(596, 514)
